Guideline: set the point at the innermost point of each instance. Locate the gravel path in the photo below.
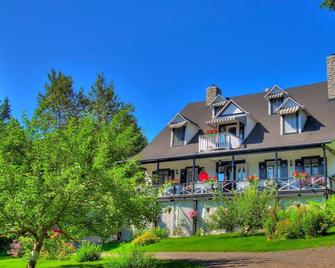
(317, 257)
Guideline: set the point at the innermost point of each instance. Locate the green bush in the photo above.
(134, 257)
(88, 252)
(330, 208)
(244, 212)
(160, 232)
(298, 221)
(148, 237)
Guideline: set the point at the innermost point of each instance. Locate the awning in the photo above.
(221, 103)
(178, 125)
(289, 110)
(275, 96)
(228, 118)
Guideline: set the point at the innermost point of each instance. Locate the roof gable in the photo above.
(289, 106)
(231, 108)
(219, 100)
(275, 92)
(178, 118)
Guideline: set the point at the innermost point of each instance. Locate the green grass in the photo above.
(9, 262)
(230, 243)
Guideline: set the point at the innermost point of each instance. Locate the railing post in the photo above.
(325, 167)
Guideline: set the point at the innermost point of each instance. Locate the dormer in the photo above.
(182, 130)
(293, 116)
(217, 104)
(275, 97)
(234, 119)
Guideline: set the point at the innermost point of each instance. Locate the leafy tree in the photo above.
(330, 4)
(5, 110)
(67, 178)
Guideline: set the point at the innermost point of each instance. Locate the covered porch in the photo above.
(234, 172)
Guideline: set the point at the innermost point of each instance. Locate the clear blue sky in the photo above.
(162, 54)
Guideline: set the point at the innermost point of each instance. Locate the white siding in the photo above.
(231, 109)
(302, 120)
(190, 131)
(250, 124)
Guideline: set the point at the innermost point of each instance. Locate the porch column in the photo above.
(276, 165)
(157, 176)
(233, 166)
(193, 169)
(325, 166)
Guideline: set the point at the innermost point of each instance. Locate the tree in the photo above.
(104, 104)
(67, 178)
(58, 105)
(5, 110)
(330, 4)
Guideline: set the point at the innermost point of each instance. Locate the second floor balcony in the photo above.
(219, 141)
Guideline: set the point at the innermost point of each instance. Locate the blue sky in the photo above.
(162, 54)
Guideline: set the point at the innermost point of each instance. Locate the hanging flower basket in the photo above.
(300, 175)
(193, 214)
(212, 131)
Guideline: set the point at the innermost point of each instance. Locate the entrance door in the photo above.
(225, 173)
(228, 128)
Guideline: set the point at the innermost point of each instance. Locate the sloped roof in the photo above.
(266, 134)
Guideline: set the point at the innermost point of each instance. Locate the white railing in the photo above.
(218, 141)
(233, 186)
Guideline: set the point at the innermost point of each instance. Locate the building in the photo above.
(269, 135)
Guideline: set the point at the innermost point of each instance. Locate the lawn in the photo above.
(9, 262)
(231, 243)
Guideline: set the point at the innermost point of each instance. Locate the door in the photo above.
(231, 130)
(228, 128)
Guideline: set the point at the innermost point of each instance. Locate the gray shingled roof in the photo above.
(266, 134)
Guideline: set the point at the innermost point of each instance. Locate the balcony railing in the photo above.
(282, 185)
(218, 141)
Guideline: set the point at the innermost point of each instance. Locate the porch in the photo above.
(230, 172)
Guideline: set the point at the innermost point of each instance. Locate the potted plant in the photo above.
(193, 214)
(212, 131)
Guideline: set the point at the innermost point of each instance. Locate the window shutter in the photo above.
(171, 174)
(183, 176)
(283, 169)
(321, 169)
(262, 170)
(298, 165)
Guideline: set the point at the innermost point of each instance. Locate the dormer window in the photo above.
(274, 104)
(178, 137)
(291, 123)
(293, 116)
(275, 97)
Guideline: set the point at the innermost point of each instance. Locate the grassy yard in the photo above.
(231, 243)
(8, 262)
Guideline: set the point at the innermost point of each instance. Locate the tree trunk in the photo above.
(35, 252)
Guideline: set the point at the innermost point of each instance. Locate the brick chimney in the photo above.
(331, 76)
(213, 91)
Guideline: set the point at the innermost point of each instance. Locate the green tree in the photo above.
(58, 104)
(5, 110)
(330, 4)
(104, 104)
(67, 178)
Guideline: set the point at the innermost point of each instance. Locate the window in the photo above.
(178, 136)
(312, 166)
(271, 169)
(275, 103)
(217, 109)
(163, 175)
(290, 123)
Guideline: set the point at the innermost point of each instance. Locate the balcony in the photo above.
(281, 185)
(212, 142)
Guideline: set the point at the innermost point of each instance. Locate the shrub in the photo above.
(4, 245)
(298, 221)
(146, 238)
(88, 252)
(245, 212)
(57, 249)
(271, 222)
(160, 232)
(330, 208)
(134, 257)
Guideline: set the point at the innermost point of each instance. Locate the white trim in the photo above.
(226, 106)
(286, 100)
(272, 88)
(177, 114)
(217, 96)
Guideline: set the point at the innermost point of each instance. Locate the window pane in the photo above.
(178, 136)
(290, 123)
